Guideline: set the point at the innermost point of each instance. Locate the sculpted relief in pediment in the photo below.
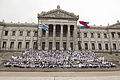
(58, 14)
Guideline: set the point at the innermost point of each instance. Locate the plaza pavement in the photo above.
(111, 75)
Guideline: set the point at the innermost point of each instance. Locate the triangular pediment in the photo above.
(115, 26)
(58, 13)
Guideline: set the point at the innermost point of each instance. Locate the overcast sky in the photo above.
(99, 12)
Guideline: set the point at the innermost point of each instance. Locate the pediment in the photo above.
(58, 13)
(115, 26)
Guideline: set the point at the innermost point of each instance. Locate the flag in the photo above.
(85, 24)
(82, 27)
(43, 27)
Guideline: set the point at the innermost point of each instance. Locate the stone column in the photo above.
(68, 38)
(16, 42)
(24, 43)
(61, 38)
(8, 42)
(31, 40)
(39, 38)
(54, 37)
(46, 41)
(75, 38)
(1, 34)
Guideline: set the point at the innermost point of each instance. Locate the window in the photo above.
(28, 33)
(21, 33)
(78, 34)
(57, 46)
(86, 46)
(118, 34)
(64, 45)
(19, 45)
(43, 45)
(79, 45)
(98, 34)
(71, 30)
(35, 45)
(35, 33)
(93, 46)
(71, 45)
(27, 45)
(13, 33)
(50, 30)
(114, 46)
(6, 33)
(57, 30)
(92, 35)
(106, 46)
(85, 35)
(113, 34)
(100, 46)
(105, 35)
(65, 29)
(4, 44)
(50, 45)
(11, 45)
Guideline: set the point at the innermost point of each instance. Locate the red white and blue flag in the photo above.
(85, 24)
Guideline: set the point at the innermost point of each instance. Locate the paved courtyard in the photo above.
(113, 75)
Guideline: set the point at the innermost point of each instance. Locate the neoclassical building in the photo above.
(63, 34)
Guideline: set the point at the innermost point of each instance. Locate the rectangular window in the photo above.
(65, 29)
(11, 45)
(35, 33)
(113, 34)
(57, 30)
(35, 45)
(105, 35)
(43, 45)
(100, 46)
(98, 34)
(114, 46)
(21, 33)
(106, 46)
(6, 33)
(19, 45)
(86, 46)
(93, 46)
(4, 44)
(27, 45)
(79, 45)
(118, 34)
(71, 45)
(85, 35)
(50, 30)
(50, 45)
(71, 30)
(92, 35)
(57, 46)
(28, 33)
(78, 33)
(64, 45)
(13, 33)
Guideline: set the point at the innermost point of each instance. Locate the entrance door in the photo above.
(57, 45)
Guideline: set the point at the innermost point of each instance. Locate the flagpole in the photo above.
(37, 33)
(79, 38)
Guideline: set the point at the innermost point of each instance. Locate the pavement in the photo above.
(111, 75)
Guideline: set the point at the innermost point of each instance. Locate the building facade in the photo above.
(63, 34)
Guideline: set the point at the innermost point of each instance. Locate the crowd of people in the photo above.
(58, 59)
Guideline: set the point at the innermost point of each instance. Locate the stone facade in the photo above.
(63, 34)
